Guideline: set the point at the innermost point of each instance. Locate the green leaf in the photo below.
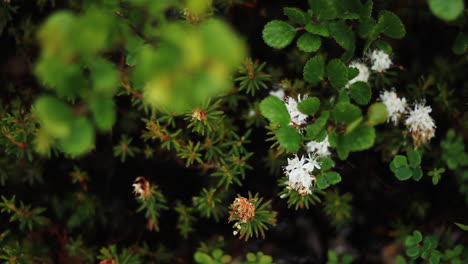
(418, 237)
(383, 45)
(327, 164)
(461, 44)
(308, 42)
(377, 114)
(81, 138)
(54, 115)
(296, 15)
(400, 161)
(217, 253)
(417, 174)
(309, 106)
(403, 173)
(413, 252)
(278, 34)
(323, 9)
(314, 70)
(342, 34)
(314, 129)
(434, 259)
(462, 226)
(346, 113)
(410, 241)
(289, 138)
(414, 158)
(322, 182)
(390, 25)
(318, 29)
(275, 110)
(333, 177)
(361, 138)
(447, 10)
(337, 73)
(360, 92)
(103, 110)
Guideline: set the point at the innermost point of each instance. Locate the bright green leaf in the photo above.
(377, 114)
(447, 10)
(360, 92)
(309, 106)
(278, 34)
(275, 110)
(337, 73)
(81, 138)
(289, 138)
(308, 42)
(296, 15)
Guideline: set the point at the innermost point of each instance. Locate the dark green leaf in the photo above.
(337, 73)
(314, 70)
(333, 177)
(323, 9)
(400, 161)
(361, 138)
(462, 226)
(461, 44)
(275, 110)
(346, 113)
(342, 34)
(414, 158)
(289, 138)
(360, 92)
(403, 173)
(390, 25)
(309, 106)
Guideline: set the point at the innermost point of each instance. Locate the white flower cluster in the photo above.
(418, 121)
(299, 171)
(380, 61)
(297, 118)
(396, 106)
(363, 75)
(420, 124)
(319, 148)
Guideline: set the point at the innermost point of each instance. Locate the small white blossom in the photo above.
(396, 106)
(420, 124)
(278, 93)
(252, 113)
(299, 172)
(297, 118)
(380, 61)
(363, 75)
(319, 148)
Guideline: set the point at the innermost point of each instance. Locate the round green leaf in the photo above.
(314, 70)
(289, 138)
(417, 174)
(414, 158)
(461, 44)
(447, 9)
(337, 73)
(308, 42)
(403, 173)
(318, 29)
(275, 110)
(333, 177)
(413, 252)
(360, 92)
(309, 106)
(400, 161)
(278, 34)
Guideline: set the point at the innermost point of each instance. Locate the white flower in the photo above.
(380, 61)
(278, 93)
(299, 172)
(363, 75)
(297, 118)
(319, 148)
(252, 113)
(396, 107)
(420, 124)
